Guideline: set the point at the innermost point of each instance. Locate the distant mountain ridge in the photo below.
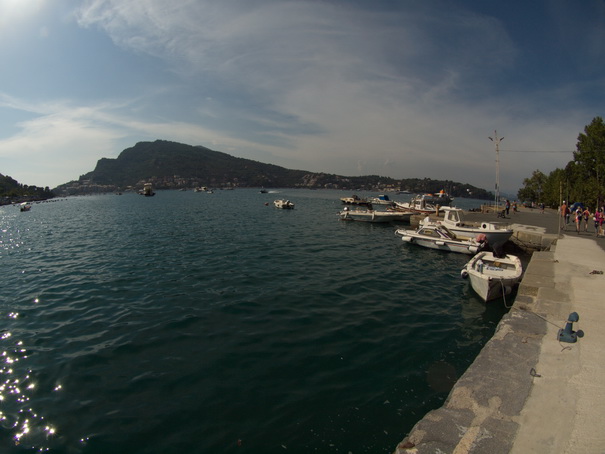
(172, 165)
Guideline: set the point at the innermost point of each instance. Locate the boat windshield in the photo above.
(447, 232)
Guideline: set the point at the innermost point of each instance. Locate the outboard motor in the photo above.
(498, 250)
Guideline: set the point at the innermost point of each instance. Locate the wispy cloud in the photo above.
(333, 86)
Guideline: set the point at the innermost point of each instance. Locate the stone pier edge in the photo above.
(481, 412)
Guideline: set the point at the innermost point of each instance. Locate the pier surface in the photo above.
(528, 391)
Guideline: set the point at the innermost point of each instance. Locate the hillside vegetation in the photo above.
(171, 165)
(11, 191)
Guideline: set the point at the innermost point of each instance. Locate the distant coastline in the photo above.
(172, 165)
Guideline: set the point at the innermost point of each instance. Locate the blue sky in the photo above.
(406, 89)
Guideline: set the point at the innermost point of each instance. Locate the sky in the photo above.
(404, 89)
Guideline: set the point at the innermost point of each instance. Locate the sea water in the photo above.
(204, 323)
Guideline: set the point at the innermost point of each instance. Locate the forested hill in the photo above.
(12, 191)
(171, 165)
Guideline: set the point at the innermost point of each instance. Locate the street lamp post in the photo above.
(497, 141)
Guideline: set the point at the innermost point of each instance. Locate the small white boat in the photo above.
(25, 206)
(382, 199)
(374, 216)
(425, 203)
(283, 204)
(147, 190)
(354, 200)
(440, 237)
(493, 277)
(496, 232)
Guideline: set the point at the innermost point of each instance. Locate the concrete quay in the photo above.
(528, 391)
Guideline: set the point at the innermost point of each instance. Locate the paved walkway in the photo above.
(565, 411)
(527, 392)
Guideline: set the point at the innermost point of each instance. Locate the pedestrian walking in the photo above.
(578, 219)
(507, 206)
(601, 219)
(586, 216)
(564, 210)
(596, 218)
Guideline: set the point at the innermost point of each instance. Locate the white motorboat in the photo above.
(493, 277)
(382, 199)
(374, 216)
(25, 206)
(425, 203)
(496, 232)
(440, 237)
(147, 190)
(283, 204)
(354, 200)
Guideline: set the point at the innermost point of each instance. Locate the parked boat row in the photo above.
(492, 274)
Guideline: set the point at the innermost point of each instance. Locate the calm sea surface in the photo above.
(206, 323)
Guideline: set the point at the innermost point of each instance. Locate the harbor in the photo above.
(537, 385)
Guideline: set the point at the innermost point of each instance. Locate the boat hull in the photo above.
(493, 236)
(495, 232)
(374, 216)
(493, 277)
(468, 247)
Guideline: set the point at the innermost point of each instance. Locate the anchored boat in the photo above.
(283, 204)
(374, 215)
(496, 232)
(491, 276)
(440, 237)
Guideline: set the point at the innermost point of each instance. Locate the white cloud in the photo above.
(334, 86)
(409, 92)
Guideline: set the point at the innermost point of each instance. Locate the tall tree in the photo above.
(533, 187)
(555, 187)
(590, 162)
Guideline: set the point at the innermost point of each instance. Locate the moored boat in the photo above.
(374, 216)
(354, 200)
(283, 204)
(382, 199)
(425, 203)
(496, 232)
(440, 237)
(492, 276)
(147, 190)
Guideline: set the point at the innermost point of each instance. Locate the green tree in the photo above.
(533, 187)
(554, 187)
(582, 180)
(590, 162)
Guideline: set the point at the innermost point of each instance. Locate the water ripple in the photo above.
(213, 323)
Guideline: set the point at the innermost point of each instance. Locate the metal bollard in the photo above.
(567, 334)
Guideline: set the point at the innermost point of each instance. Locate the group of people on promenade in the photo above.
(582, 216)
